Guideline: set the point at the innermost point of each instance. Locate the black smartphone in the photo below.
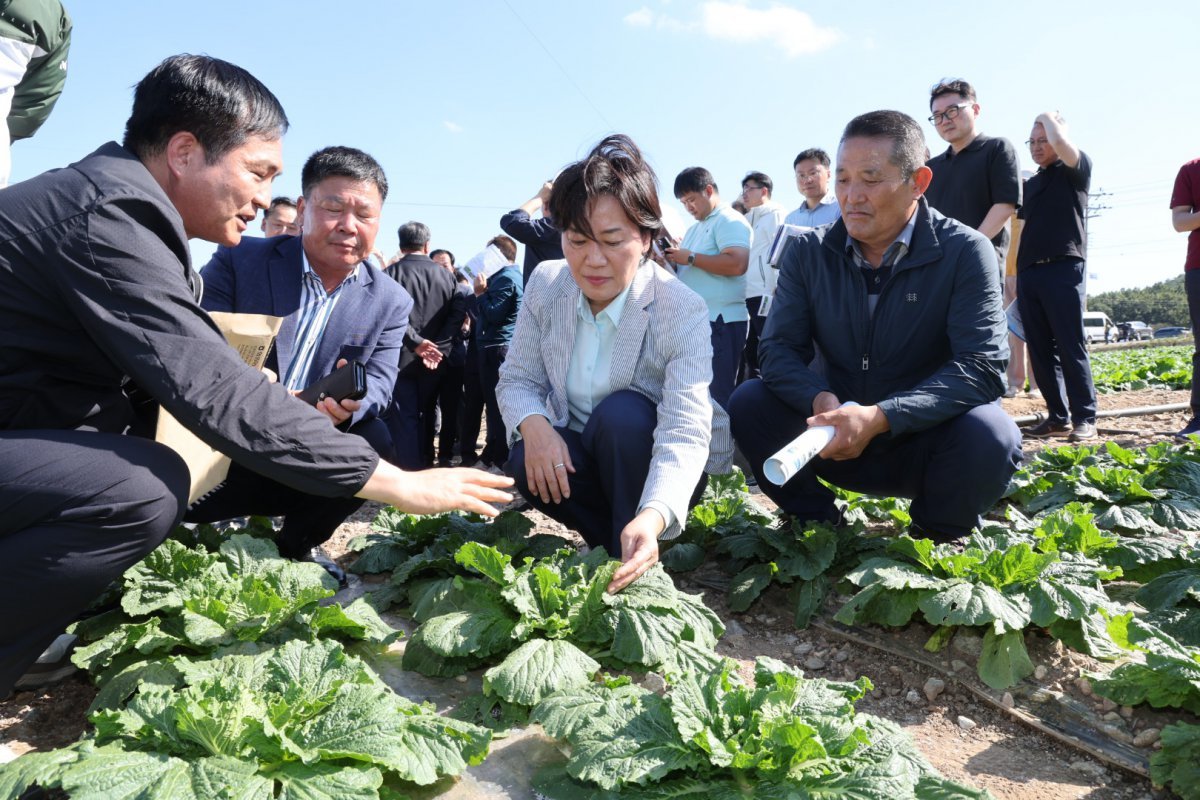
(347, 382)
(664, 243)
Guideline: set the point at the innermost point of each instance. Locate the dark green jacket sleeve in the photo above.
(47, 25)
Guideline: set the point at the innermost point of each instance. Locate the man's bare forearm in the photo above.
(996, 217)
(731, 262)
(1185, 219)
(1056, 134)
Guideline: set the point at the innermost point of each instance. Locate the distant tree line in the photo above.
(1161, 304)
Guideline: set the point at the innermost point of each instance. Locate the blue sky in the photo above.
(470, 105)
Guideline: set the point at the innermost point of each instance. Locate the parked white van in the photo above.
(1095, 325)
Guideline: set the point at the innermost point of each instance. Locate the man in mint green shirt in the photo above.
(711, 261)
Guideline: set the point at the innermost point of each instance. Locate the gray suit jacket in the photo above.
(662, 351)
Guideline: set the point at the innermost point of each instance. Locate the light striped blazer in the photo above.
(662, 351)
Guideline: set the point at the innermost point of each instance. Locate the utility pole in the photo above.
(1094, 209)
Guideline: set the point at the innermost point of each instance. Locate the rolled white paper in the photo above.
(780, 468)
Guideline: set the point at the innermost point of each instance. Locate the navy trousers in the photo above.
(612, 460)
(728, 341)
(1051, 300)
(77, 509)
(953, 472)
(449, 401)
(472, 408)
(308, 520)
(413, 400)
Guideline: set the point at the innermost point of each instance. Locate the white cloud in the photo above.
(642, 18)
(791, 30)
(453, 127)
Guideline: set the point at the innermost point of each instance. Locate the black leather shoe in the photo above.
(317, 556)
(1046, 428)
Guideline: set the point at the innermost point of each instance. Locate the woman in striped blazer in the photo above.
(605, 389)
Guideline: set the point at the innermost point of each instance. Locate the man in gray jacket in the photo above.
(905, 304)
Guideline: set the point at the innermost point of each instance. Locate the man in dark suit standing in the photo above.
(336, 308)
(437, 315)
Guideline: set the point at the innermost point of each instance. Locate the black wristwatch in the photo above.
(691, 259)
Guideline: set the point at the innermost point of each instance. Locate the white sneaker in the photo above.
(52, 666)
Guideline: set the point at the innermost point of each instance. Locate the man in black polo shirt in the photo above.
(1050, 278)
(977, 181)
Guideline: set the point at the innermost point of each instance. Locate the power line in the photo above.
(444, 205)
(1094, 209)
(1140, 186)
(571, 80)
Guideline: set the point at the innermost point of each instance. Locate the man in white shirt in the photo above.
(764, 216)
(812, 179)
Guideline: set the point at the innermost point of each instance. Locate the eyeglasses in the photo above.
(950, 113)
(752, 189)
(1032, 142)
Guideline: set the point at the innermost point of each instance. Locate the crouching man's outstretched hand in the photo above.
(435, 491)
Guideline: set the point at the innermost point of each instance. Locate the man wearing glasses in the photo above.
(1050, 279)
(977, 180)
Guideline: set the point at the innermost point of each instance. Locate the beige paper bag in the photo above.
(251, 335)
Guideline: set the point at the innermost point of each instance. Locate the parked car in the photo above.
(1134, 331)
(1170, 332)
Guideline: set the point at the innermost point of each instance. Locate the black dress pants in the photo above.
(308, 520)
(472, 407)
(414, 399)
(495, 449)
(612, 457)
(953, 472)
(1051, 298)
(77, 509)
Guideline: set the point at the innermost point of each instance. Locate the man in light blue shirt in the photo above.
(812, 179)
(711, 261)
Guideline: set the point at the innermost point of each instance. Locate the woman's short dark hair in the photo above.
(615, 167)
(219, 103)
